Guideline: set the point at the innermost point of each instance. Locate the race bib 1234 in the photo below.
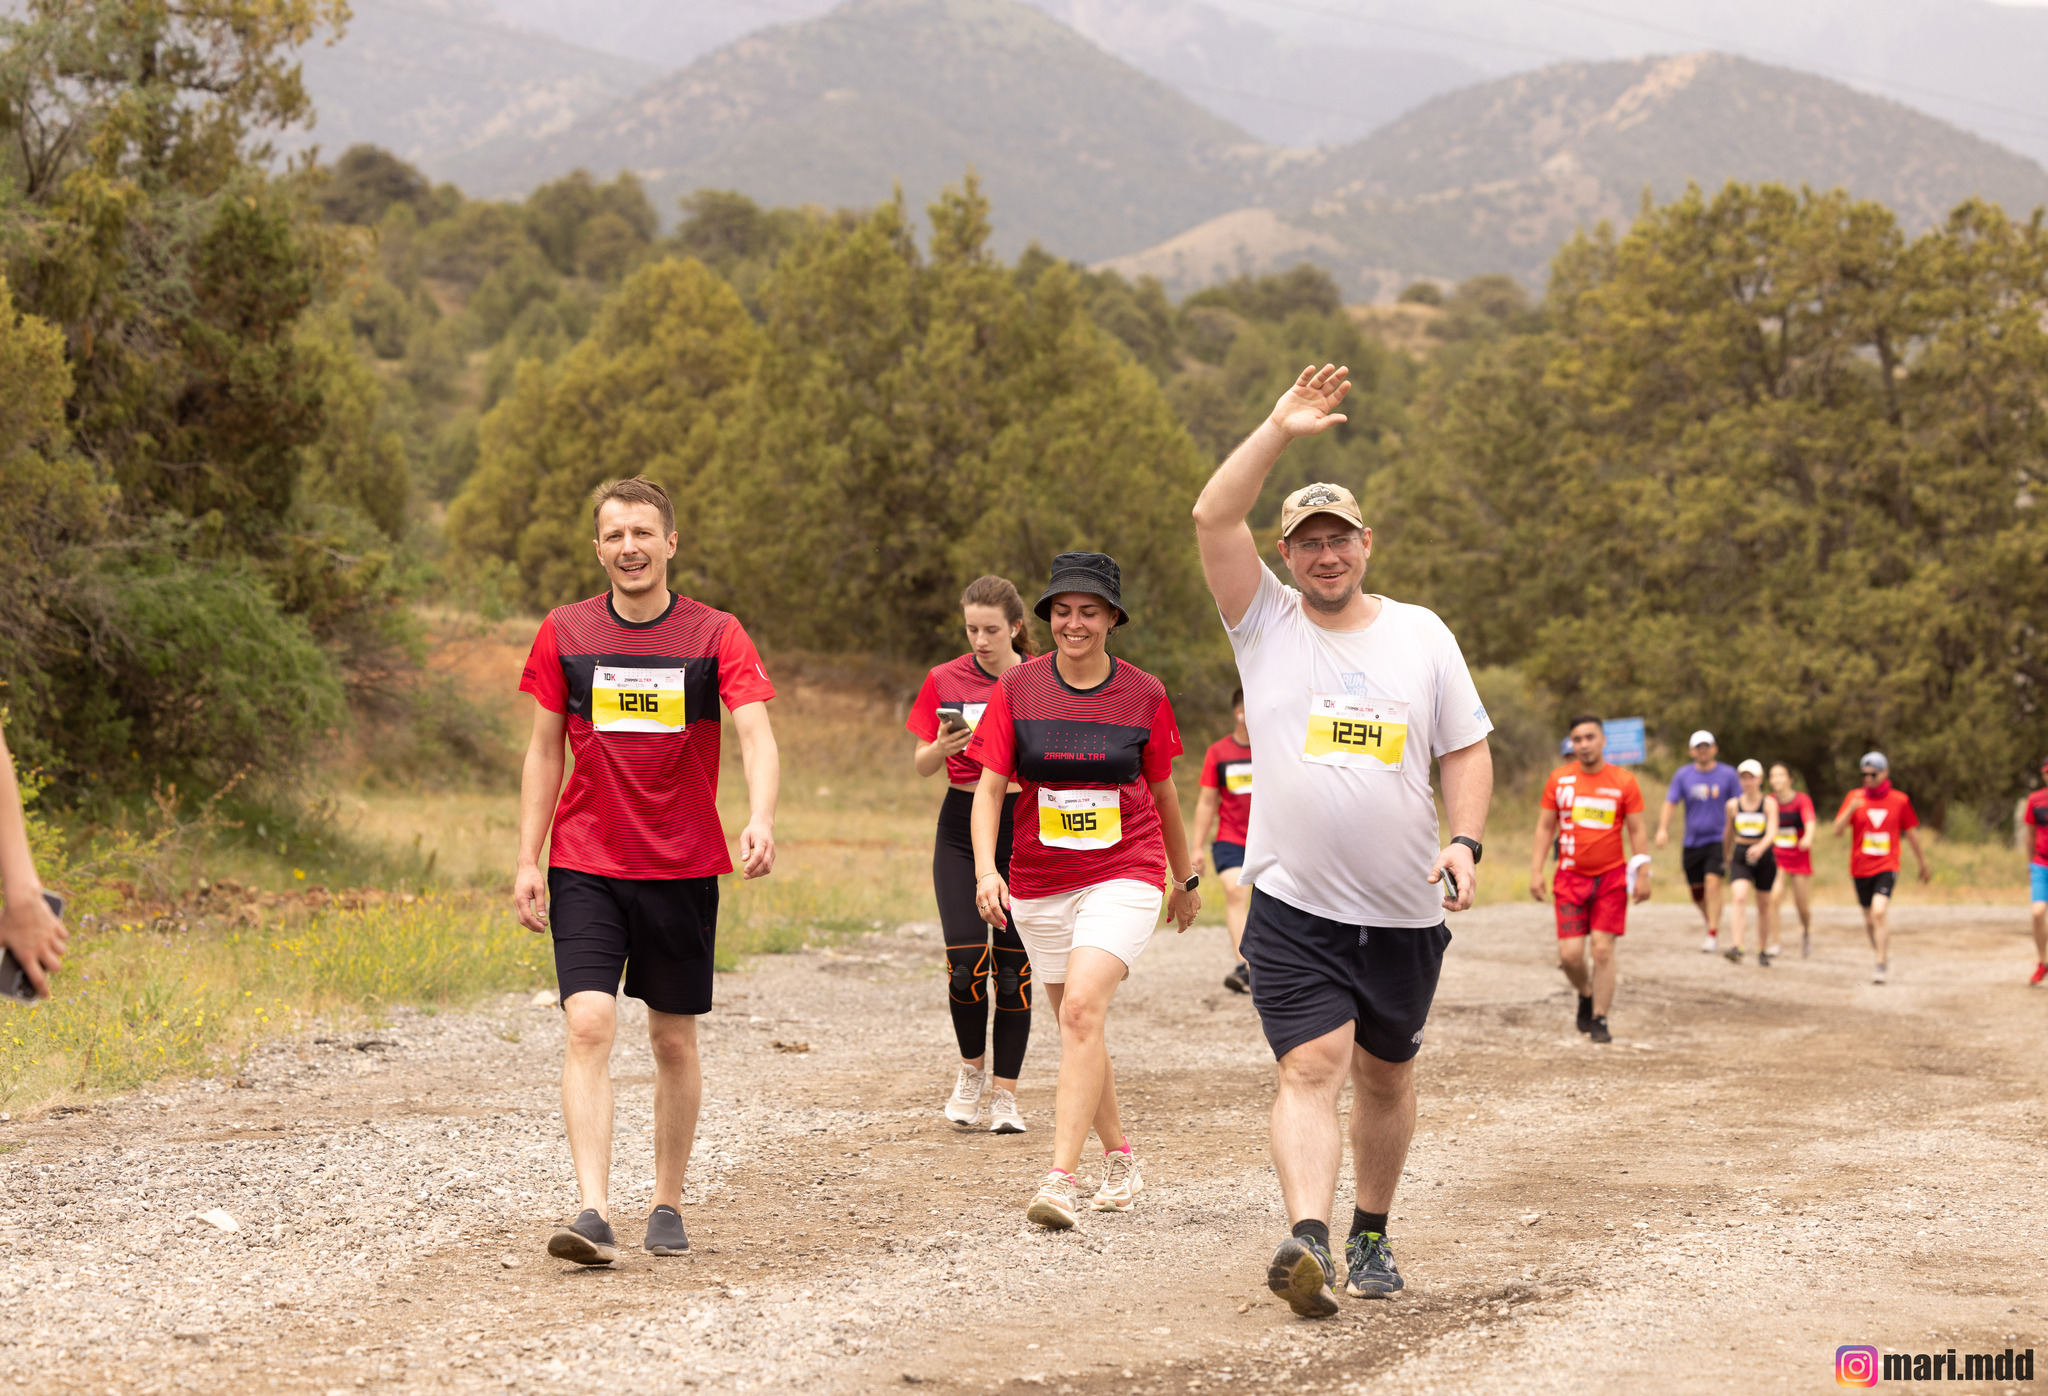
(1346, 730)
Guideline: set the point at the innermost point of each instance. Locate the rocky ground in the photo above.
(1767, 1163)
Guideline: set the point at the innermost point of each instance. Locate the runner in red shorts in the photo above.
(1797, 824)
(1586, 805)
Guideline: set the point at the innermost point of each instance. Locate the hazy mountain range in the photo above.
(1104, 128)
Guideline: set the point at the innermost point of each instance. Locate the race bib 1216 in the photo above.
(1346, 730)
(1081, 820)
(636, 700)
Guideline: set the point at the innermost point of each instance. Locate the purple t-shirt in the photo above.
(1705, 795)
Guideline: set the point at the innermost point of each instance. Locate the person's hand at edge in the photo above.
(530, 898)
(32, 931)
(1183, 907)
(757, 850)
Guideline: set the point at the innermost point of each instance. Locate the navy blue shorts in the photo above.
(659, 934)
(1226, 856)
(1311, 976)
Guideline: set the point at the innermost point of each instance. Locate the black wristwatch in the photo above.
(1190, 884)
(1473, 844)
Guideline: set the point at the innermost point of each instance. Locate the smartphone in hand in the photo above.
(952, 720)
(14, 980)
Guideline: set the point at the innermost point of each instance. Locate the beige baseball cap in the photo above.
(1319, 499)
(1751, 767)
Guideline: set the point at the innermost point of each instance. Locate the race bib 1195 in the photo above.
(636, 700)
(1081, 820)
(1346, 730)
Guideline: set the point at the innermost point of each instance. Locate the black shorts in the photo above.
(1226, 856)
(1702, 861)
(1763, 872)
(1879, 886)
(1311, 976)
(660, 935)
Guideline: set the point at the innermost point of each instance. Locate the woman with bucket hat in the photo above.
(1091, 740)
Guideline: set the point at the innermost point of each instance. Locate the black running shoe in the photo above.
(1239, 980)
(1373, 1275)
(588, 1240)
(665, 1234)
(1598, 1032)
(1300, 1273)
(1585, 1014)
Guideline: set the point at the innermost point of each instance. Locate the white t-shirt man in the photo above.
(1345, 823)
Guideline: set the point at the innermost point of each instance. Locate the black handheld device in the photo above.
(14, 980)
(953, 719)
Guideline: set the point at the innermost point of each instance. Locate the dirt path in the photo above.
(1766, 1164)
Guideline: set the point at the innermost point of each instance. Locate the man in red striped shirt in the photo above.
(632, 680)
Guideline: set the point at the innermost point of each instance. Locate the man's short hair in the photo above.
(638, 490)
(1582, 719)
(1237, 700)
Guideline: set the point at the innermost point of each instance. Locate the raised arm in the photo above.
(1230, 557)
(763, 764)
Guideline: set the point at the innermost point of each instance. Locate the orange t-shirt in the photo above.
(1591, 808)
(1876, 829)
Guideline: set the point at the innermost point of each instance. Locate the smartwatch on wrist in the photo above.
(1194, 879)
(1472, 844)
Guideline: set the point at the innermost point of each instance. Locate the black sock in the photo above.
(1362, 1222)
(1320, 1230)
(1585, 1002)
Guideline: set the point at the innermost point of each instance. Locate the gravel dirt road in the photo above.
(1765, 1164)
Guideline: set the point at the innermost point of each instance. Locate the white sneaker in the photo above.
(964, 1108)
(1003, 1116)
(1710, 945)
(1054, 1206)
(1877, 976)
(1120, 1181)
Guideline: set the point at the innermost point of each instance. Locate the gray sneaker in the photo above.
(1300, 1272)
(1373, 1275)
(665, 1234)
(588, 1240)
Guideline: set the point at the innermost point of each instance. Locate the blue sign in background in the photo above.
(1627, 745)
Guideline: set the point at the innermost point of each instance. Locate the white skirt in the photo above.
(1118, 916)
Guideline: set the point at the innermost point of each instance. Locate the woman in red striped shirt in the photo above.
(1091, 739)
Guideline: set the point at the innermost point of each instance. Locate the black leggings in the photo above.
(969, 959)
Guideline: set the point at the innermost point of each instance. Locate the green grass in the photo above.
(133, 1005)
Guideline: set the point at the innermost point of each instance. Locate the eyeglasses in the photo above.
(1336, 543)
(1869, 771)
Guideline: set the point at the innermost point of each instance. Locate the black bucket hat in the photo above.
(1094, 573)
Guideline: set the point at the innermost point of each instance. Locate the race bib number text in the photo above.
(1877, 843)
(636, 700)
(1593, 811)
(1237, 778)
(1345, 730)
(1081, 820)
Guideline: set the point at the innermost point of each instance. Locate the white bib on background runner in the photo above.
(1593, 811)
(1787, 839)
(1081, 820)
(1751, 823)
(636, 700)
(1237, 777)
(1877, 843)
(1370, 734)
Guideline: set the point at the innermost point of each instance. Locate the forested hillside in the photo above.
(1764, 462)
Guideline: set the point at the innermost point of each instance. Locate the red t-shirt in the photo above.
(1083, 759)
(1876, 829)
(1591, 808)
(958, 683)
(1227, 769)
(642, 701)
(1793, 817)
(2037, 815)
